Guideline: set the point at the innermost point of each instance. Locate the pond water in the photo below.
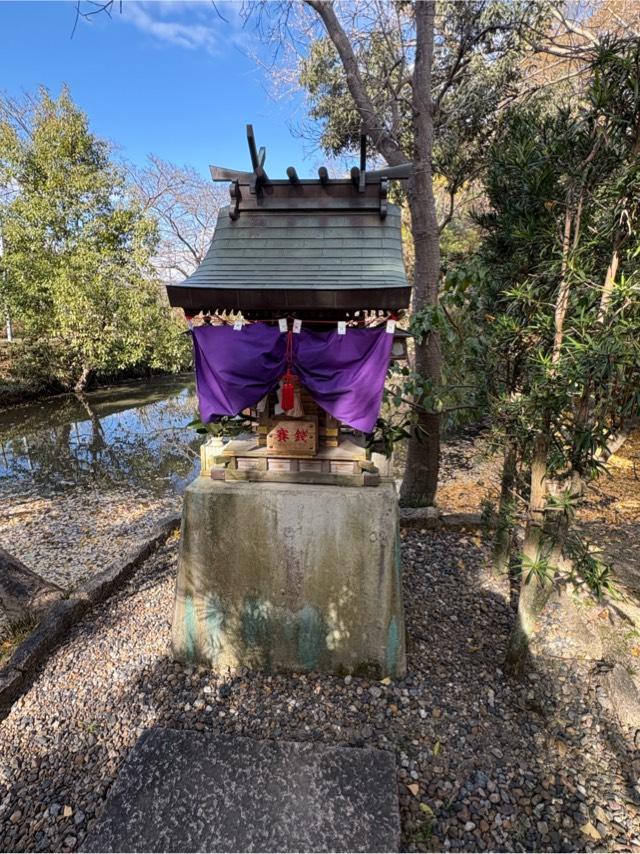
(130, 435)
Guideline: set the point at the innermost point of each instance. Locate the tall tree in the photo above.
(185, 207)
(425, 82)
(76, 269)
(561, 241)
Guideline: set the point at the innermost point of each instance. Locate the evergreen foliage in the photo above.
(561, 302)
(76, 271)
(477, 66)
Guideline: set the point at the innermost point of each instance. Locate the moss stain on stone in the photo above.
(190, 628)
(393, 645)
(257, 628)
(256, 623)
(289, 626)
(311, 637)
(214, 620)
(284, 578)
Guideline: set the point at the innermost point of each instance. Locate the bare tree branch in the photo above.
(185, 206)
(383, 141)
(572, 26)
(94, 9)
(218, 12)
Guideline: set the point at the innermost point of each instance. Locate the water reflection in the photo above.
(131, 435)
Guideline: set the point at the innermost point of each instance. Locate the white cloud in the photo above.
(191, 25)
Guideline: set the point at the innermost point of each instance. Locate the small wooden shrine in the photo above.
(319, 252)
(283, 566)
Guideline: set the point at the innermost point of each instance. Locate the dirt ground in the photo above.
(609, 520)
(611, 514)
(609, 517)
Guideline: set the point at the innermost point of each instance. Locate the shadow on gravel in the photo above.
(483, 763)
(620, 545)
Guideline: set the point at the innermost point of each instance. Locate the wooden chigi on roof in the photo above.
(320, 247)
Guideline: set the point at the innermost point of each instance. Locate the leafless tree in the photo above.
(562, 50)
(185, 206)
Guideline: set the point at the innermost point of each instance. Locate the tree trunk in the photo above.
(423, 458)
(83, 380)
(562, 302)
(98, 442)
(23, 594)
(503, 540)
(534, 592)
(421, 476)
(534, 595)
(610, 278)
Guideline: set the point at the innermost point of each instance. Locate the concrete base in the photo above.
(186, 791)
(289, 577)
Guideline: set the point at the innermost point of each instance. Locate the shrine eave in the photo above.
(209, 299)
(287, 261)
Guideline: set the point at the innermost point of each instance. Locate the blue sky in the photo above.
(168, 78)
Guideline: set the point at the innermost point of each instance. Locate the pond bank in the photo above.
(16, 393)
(82, 482)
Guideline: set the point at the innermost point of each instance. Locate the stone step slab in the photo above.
(181, 790)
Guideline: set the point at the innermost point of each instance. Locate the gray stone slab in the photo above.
(187, 791)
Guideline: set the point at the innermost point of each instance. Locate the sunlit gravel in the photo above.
(483, 763)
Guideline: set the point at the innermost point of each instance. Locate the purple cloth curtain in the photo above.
(344, 374)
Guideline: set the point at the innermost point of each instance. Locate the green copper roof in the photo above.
(308, 252)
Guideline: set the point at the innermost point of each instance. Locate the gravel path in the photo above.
(65, 538)
(483, 764)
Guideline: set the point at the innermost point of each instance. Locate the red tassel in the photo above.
(287, 397)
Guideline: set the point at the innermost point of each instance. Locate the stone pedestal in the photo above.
(288, 577)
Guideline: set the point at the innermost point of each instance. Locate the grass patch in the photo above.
(17, 632)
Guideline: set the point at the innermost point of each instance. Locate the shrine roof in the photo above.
(301, 244)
